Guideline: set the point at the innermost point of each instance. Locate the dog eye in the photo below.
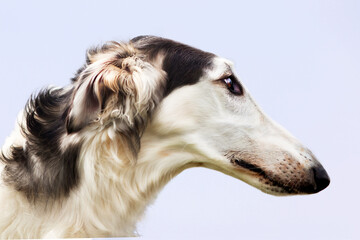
(233, 86)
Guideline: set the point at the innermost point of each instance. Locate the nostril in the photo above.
(321, 178)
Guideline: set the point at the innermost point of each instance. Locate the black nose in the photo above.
(321, 178)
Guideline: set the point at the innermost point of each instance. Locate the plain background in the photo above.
(299, 59)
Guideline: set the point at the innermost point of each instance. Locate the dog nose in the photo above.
(321, 178)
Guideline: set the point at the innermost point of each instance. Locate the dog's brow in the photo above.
(228, 69)
(227, 72)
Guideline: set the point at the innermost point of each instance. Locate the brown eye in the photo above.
(233, 85)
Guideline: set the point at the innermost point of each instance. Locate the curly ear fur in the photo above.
(116, 83)
(116, 89)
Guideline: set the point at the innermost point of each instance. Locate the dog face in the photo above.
(220, 125)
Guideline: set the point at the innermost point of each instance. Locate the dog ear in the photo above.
(86, 103)
(116, 82)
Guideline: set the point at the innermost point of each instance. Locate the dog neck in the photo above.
(124, 186)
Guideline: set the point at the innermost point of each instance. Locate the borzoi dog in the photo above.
(85, 160)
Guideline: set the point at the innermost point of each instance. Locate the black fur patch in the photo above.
(183, 64)
(42, 167)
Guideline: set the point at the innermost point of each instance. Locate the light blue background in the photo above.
(300, 60)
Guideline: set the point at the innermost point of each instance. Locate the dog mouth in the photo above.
(248, 166)
(270, 182)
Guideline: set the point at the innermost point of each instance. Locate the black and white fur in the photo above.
(85, 160)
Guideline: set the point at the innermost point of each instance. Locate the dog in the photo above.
(85, 160)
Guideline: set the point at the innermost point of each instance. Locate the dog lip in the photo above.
(253, 168)
(248, 166)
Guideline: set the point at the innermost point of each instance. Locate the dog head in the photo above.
(208, 114)
(197, 106)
